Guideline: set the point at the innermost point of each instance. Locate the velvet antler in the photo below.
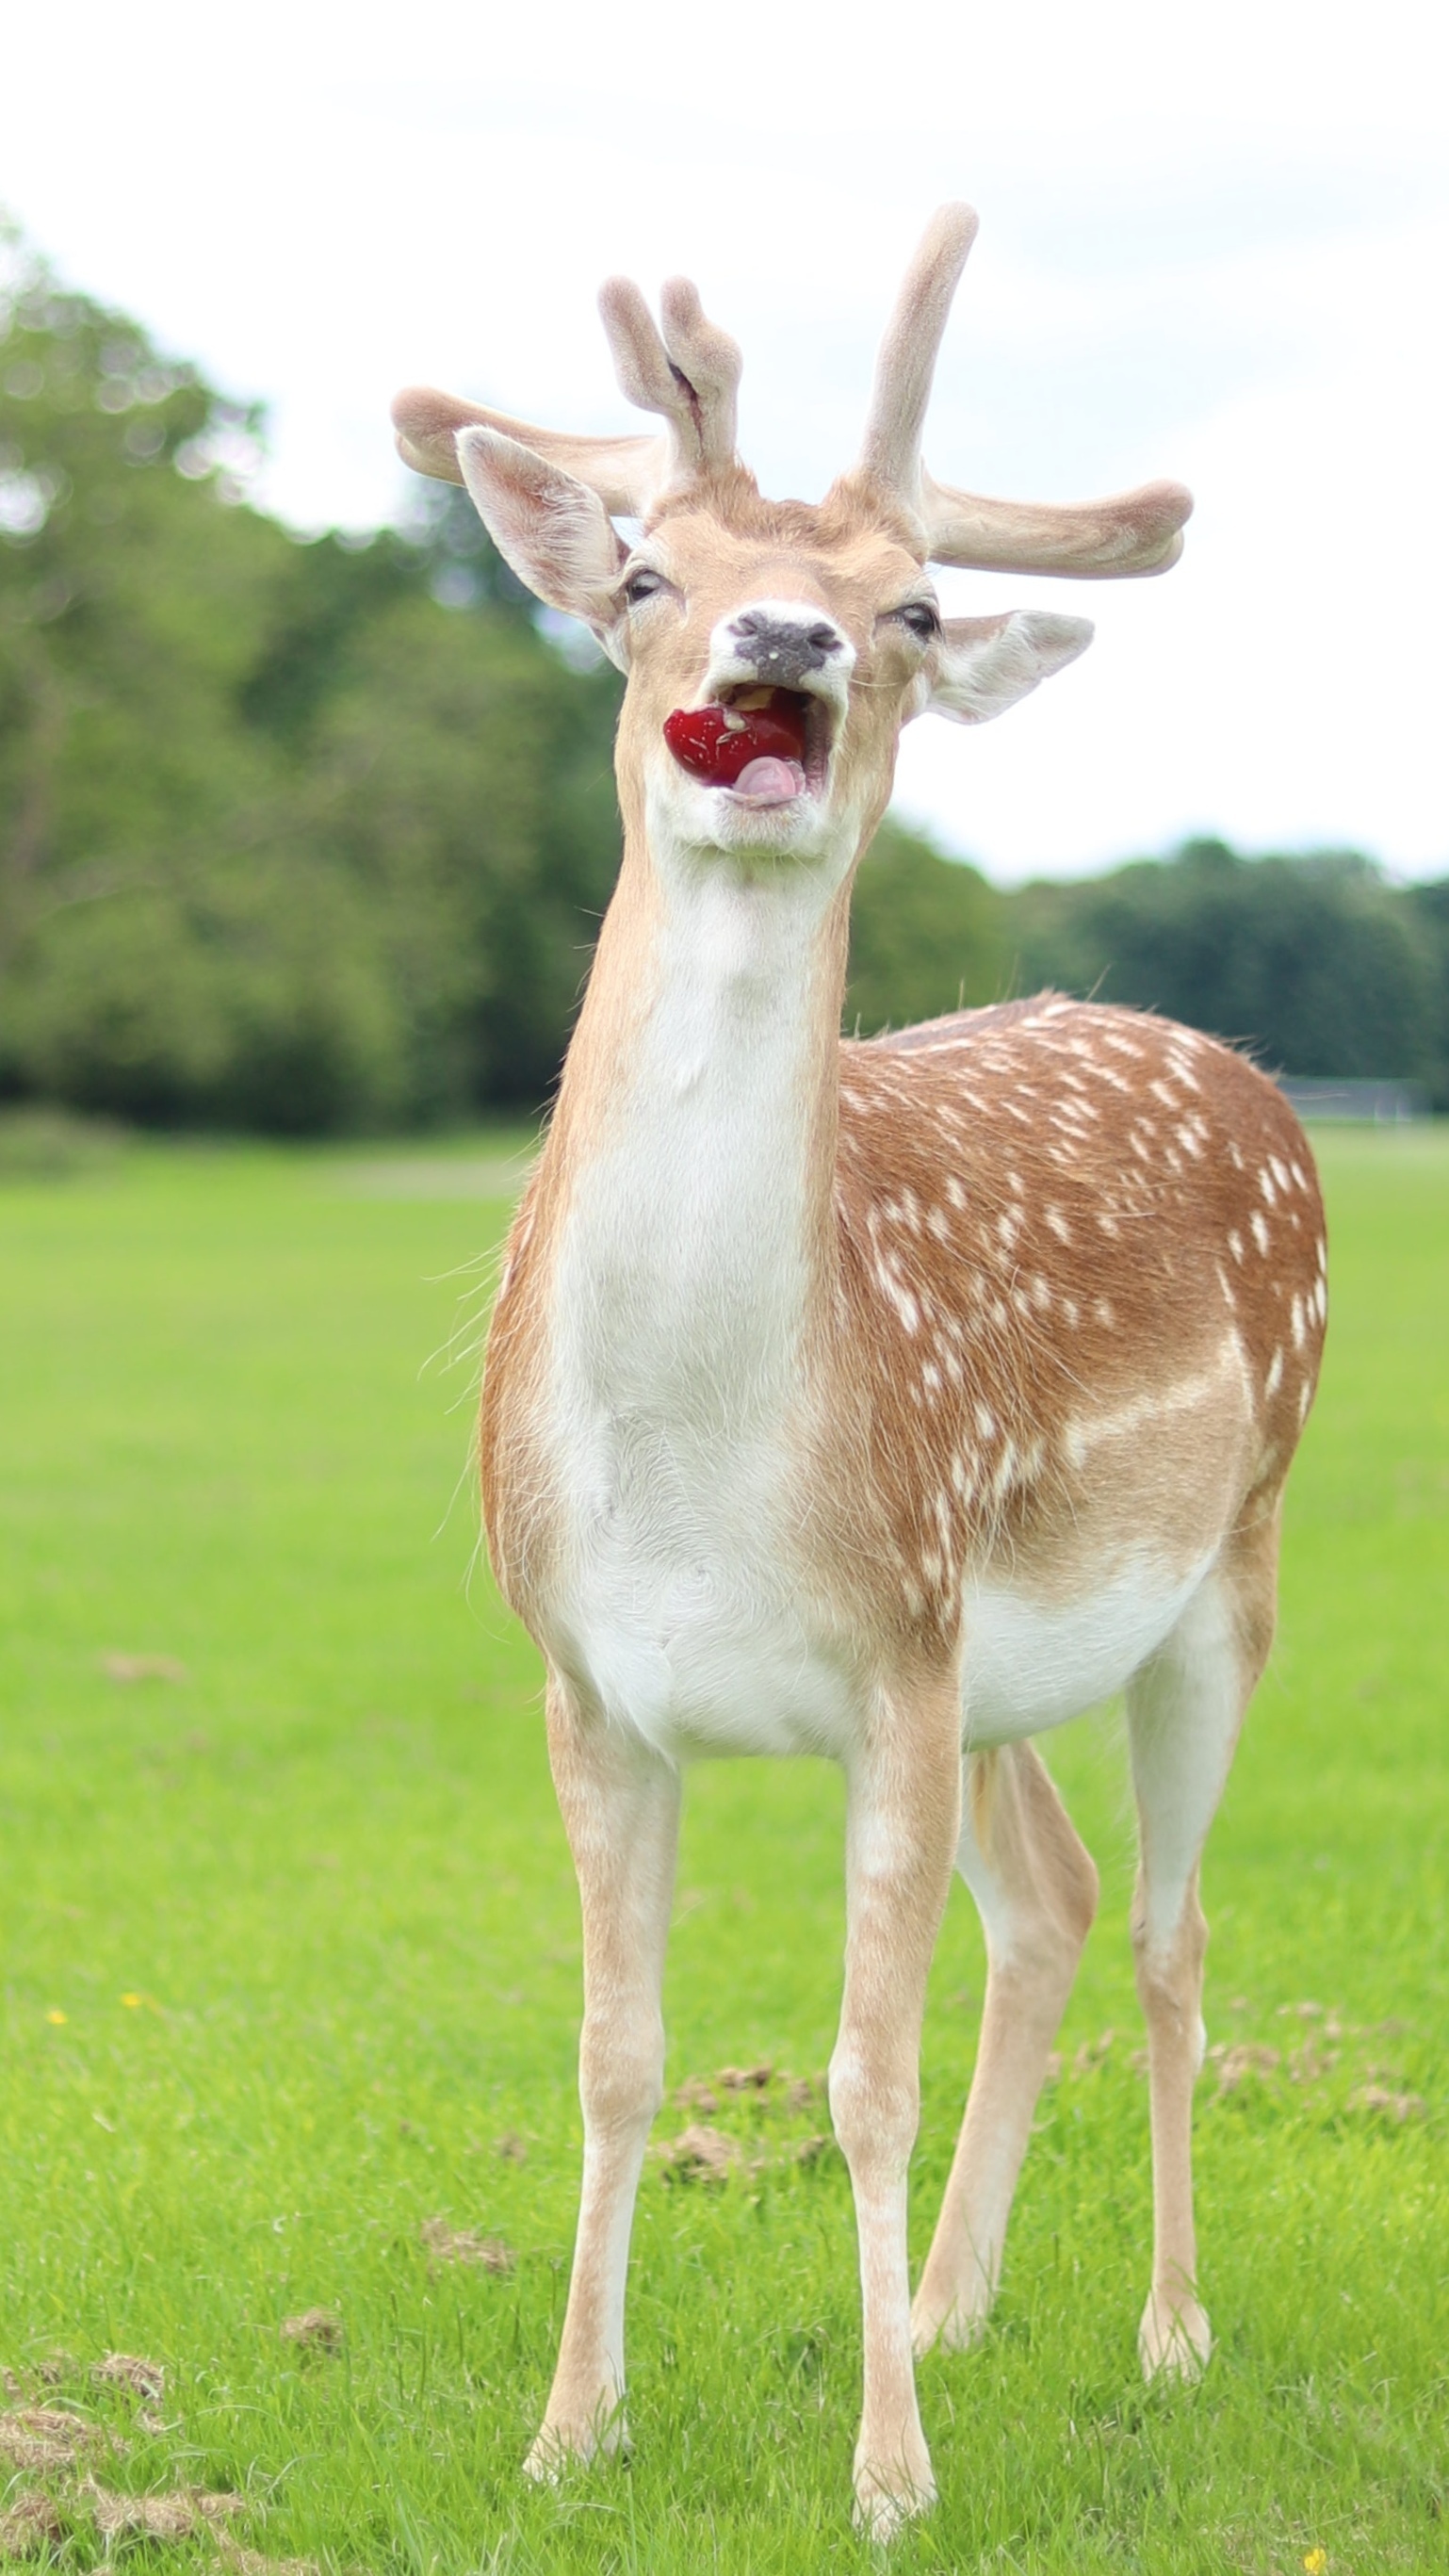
(689, 375)
(1136, 532)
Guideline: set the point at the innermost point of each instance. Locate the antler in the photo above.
(427, 425)
(891, 454)
(1136, 532)
(690, 375)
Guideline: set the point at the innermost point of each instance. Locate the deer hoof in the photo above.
(955, 2329)
(885, 2500)
(559, 2448)
(1174, 2340)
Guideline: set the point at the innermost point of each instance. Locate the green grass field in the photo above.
(291, 1966)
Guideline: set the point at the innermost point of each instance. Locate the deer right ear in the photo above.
(550, 529)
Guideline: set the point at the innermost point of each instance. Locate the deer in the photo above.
(890, 1399)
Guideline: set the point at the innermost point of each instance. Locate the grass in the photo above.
(290, 1945)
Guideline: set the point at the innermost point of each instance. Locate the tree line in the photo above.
(304, 837)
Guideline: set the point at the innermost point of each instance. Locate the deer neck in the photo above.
(693, 1147)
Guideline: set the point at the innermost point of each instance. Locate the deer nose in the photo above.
(782, 650)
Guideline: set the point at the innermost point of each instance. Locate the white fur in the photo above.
(679, 1300)
(1032, 1664)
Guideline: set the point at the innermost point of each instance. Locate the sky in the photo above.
(1214, 244)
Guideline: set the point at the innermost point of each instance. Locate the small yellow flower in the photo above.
(1315, 2561)
(56, 2015)
(131, 2002)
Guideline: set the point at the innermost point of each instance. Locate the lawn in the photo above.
(290, 1964)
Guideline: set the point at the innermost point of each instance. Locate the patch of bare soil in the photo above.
(28, 2524)
(157, 2517)
(130, 2370)
(316, 2329)
(449, 2244)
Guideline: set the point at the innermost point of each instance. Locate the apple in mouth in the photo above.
(755, 746)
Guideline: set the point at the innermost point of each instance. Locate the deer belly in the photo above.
(1033, 1660)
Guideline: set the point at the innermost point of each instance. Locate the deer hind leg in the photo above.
(620, 1807)
(1184, 1712)
(1036, 1889)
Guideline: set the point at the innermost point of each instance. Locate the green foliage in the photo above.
(927, 934)
(1428, 910)
(292, 836)
(298, 1885)
(1315, 962)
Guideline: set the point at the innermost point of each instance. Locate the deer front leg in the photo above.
(620, 1805)
(903, 1820)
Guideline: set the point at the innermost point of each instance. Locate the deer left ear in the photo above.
(984, 664)
(552, 530)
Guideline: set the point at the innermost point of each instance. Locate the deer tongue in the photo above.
(769, 782)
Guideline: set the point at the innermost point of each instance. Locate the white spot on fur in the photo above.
(1006, 1469)
(1260, 1231)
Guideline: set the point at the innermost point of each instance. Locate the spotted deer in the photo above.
(893, 1401)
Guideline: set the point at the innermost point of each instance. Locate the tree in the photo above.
(1313, 962)
(926, 934)
(291, 835)
(1428, 911)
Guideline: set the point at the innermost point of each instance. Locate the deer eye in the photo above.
(642, 585)
(922, 620)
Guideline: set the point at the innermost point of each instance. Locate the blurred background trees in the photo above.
(314, 836)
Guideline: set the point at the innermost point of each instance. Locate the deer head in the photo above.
(774, 650)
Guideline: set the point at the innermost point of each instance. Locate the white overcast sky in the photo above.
(1214, 244)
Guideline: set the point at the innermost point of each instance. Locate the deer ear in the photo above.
(984, 664)
(553, 531)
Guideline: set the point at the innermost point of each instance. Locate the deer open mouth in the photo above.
(766, 746)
